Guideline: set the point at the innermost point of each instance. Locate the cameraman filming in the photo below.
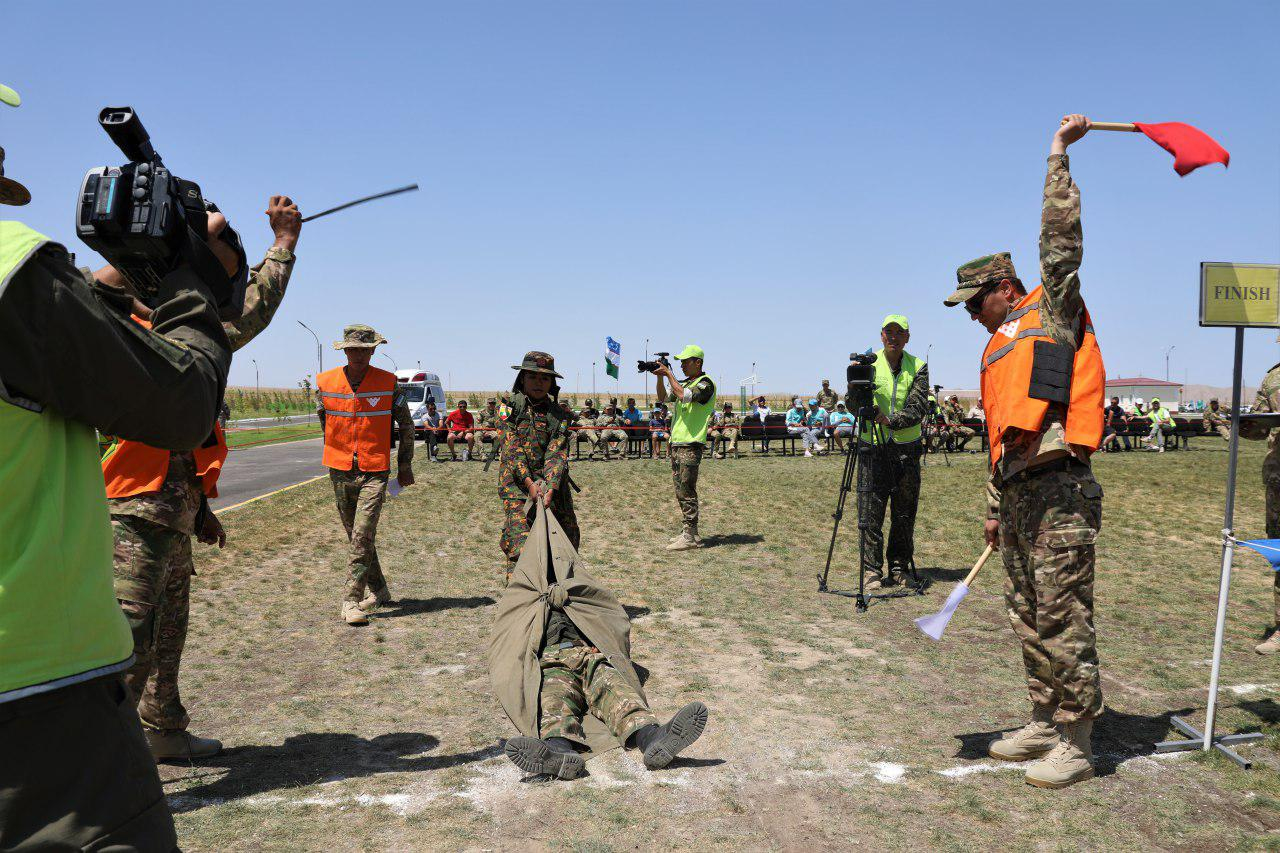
(692, 404)
(77, 770)
(889, 461)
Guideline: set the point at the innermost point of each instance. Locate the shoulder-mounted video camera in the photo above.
(861, 377)
(652, 366)
(147, 222)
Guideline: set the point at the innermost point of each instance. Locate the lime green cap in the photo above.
(896, 318)
(691, 351)
(9, 96)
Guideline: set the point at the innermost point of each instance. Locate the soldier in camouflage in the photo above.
(1216, 420)
(1268, 400)
(610, 429)
(827, 397)
(535, 456)
(953, 416)
(153, 565)
(1045, 507)
(726, 427)
(489, 423)
(586, 420)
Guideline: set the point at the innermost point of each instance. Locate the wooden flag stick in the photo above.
(1111, 125)
(978, 565)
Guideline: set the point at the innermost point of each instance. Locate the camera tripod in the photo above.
(916, 585)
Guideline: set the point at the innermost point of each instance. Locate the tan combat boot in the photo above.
(374, 600)
(352, 613)
(686, 541)
(1070, 762)
(1269, 646)
(180, 745)
(1034, 740)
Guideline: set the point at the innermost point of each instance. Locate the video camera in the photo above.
(861, 377)
(652, 366)
(147, 222)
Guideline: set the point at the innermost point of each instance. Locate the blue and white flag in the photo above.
(613, 357)
(1269, 548)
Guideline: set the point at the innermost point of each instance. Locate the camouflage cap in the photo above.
(978, 273)
(589, 402)
(358, 336)
(538, 362)
(492, 401)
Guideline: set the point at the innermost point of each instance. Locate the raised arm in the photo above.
(1061, 237)
(268, 280)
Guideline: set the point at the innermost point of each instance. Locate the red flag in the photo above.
(1190, 146)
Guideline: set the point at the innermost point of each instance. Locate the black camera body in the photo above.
(652, 366)
(861, 378)
(146, 221)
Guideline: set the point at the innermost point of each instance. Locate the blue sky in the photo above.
(765, 179)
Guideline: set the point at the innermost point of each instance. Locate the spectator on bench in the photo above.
(816, 420)
(1114, 420)
(1162, 424)
(490, 422)
(725, 426)
(1217, 420)
(610, 429)
(841, 425)
(795, 423)
(432, 429)
(631, 414)
(760, 409)
(461, 425)
(658, 428)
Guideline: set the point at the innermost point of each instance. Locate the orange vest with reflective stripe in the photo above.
(357, 423)
(1006, 372)
(133, 468)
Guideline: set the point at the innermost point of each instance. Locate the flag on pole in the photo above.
(1190, 146)
(1269, 548)
(613, 357)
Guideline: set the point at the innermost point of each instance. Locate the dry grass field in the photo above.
(828, 728)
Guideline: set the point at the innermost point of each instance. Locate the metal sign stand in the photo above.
(1208, 740)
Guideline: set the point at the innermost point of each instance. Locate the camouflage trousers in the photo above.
(685, 459)
(153, 570)
(888, 477)
(618, 435)
(578, 680)
(728, 440)
(1271, 478)
(516, 522)
(360, 495)
(1223, 430)
(1048, 525)
(592, 436)
(961, 435)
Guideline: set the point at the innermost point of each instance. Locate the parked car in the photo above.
(419, 387)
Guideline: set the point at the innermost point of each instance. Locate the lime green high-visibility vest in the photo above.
(891, 395)
(59, 620)
(689, 420)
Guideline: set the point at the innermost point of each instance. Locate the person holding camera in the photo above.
(160, 499)
(1042, 385)
(890, 445)
(692, 403)
(77, 770)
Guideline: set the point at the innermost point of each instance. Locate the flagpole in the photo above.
(593, 380)
(646, 375)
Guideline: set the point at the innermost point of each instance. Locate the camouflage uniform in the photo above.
(535, 446)
(489, 425)
(726, 428)
(153, 565)
(1043, 491)
(954, 417)
(587, 421)
(1217, 422)
(827, 399)
(611, 430)
(1268, 400)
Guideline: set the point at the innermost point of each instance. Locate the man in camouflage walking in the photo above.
(152, 528)
(1042, 386)
(535, 455)
(1268, 400)
(358, 408)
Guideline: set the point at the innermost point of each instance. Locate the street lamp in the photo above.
(394, 366)
(1166, 361)
(256, 386)
(319, 349)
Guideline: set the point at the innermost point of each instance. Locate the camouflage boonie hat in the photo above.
(359, 337)
(978, 273)
(538, 362)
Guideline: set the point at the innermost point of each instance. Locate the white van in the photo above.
(420, 387)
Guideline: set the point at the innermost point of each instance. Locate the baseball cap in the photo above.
(895, 318)
(690, 351)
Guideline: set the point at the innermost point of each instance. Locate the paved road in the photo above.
(257, 471)
(250, 423)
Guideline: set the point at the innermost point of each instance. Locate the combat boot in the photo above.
(1034, 740)
(1269, 646)
(374, 600)
(353, 615)
(661, 744)
(553, 756)
(1070, 761)
(684, 542)
(180, 745)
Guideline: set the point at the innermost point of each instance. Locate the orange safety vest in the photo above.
(357, 424)
(1007, 380)
(133, 468)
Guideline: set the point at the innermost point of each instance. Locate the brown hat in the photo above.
(538, 362)
(978, 273)
(359, 337)
(11, 192)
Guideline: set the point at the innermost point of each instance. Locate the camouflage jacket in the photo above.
(606, 420)
(827, 399)
(953, 415)
(731, 419)
(1213, 420)
(1061, 313)
(1268, 400)
(587, 417)
(535, 446)
(489, 420)
(180, 497)
(916, 407)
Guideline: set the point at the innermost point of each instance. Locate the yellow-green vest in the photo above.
(891, 395)
(59, 620)
(689, 420)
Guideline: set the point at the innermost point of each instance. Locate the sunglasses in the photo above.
(974, 303)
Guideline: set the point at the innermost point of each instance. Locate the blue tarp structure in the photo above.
(1269, 548)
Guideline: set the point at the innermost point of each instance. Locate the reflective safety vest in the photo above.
(357, 425)
(689, 420)
(133, 468)
(1023, 370)
(59, 620)
(891, 396)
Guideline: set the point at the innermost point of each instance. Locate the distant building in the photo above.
(1142, 388)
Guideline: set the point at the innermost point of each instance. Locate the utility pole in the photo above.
(319, 349)
(593, 379)
(646, 375)
(394, 366)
